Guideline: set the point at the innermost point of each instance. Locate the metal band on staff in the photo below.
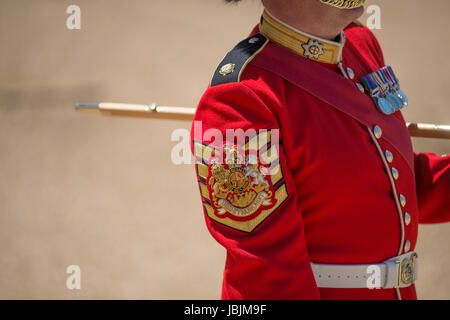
(154, 111)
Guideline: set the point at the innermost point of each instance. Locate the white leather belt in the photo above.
(397, 272)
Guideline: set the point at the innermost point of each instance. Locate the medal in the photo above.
(384, 105)
(388, 90)
(402, 96)
(395, 85)
(383, 86)
(383, 101)
(395, 101)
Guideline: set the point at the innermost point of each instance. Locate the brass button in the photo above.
(407, 218)
(377, 132)
(395, 173)
(350, 73)
(389, 156)
(407, 246)
(402, 200)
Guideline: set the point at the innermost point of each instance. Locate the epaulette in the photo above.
(234, 63)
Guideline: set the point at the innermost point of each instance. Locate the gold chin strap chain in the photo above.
(344, 4)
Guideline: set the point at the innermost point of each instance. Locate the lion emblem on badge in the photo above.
(238, 187)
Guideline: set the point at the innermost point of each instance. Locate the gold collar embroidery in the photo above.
(300, 42)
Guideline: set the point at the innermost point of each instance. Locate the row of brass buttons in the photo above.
(395, 174)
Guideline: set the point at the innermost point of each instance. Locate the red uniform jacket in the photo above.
(344, 188)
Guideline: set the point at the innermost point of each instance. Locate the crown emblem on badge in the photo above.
(238, 188)
(313, 49)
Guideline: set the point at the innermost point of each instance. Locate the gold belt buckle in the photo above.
(406, 271)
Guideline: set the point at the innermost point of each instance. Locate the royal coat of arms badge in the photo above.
(239, 188)
(241, 185)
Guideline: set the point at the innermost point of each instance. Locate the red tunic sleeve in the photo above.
(267, 256)
(433, 187)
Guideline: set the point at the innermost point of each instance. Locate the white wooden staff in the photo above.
(139, 110)
(154, 111)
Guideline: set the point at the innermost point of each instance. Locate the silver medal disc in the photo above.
(394, 101)
(402, 97)
(385, 106)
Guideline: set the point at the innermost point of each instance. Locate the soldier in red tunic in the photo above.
(305, 166)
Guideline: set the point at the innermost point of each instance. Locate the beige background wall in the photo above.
(102, 192)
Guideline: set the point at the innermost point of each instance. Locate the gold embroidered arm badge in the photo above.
(240, 187)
